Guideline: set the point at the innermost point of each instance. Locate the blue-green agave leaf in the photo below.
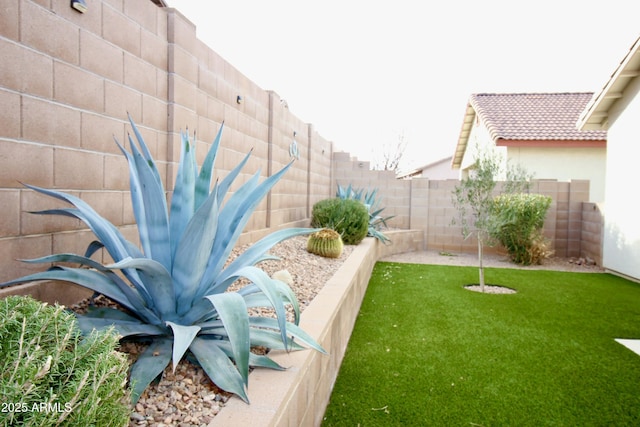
(259, 299)
(249, 289)
(293, 330)
(88, 262)
(124, 328)
(92, 248)
(149, 365)
(66, 257)
(182, 338)
(273, 340)
(108, 313)
(116, 245)
(219, 367)
(233, 313)
(119, 248)
(103, 229)
(137, 200)
(269, 288)
(154, 218)
(230, 211)
(183, 198)
(225, 240)
(203, 182)
(259, 337)
(193, 252)
(261, 361)
(160, 283)
(249, 203)
(255, 360)
(289, 297)
(231, 176)
(143, 147)
(89, 279)
(211, 324)
(233, 219)
(254, 254)
(200, 312)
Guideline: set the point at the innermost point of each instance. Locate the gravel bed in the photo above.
(491, 289)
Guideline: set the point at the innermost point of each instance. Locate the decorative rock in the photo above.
(283, 276)
(137, 417)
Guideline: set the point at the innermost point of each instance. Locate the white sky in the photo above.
(365, 72)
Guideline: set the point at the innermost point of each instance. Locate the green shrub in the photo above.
(174, 284)
(519, 219)
(53, 376)
(372, 203)
(348, 217)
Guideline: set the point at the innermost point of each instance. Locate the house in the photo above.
(538, 131)
(616, 109)
(440, 169)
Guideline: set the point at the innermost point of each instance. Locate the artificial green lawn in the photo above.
(426, 352)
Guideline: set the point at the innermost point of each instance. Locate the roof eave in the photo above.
(552, 143)
(463, 137)
(596, 113)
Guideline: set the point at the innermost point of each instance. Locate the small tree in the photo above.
(473, 198)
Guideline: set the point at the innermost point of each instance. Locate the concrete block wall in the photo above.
(592, 232)
(394, 194)
(68, 81)
(423, 204)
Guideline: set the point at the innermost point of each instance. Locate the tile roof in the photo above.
(534, 116)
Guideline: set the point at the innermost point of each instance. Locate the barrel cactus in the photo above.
(326, 243)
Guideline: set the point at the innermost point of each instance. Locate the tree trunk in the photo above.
(481, 268)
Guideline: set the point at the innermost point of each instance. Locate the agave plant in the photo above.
(376, 222)
(174, 286)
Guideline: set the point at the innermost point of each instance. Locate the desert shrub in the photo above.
(372, 203)
(348, 217)
(51, 375)
(519, 219)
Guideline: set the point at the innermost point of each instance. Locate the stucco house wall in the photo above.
(479, 139)
(551, 163)
(616, 108)
(440, 169)
(621, 246)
